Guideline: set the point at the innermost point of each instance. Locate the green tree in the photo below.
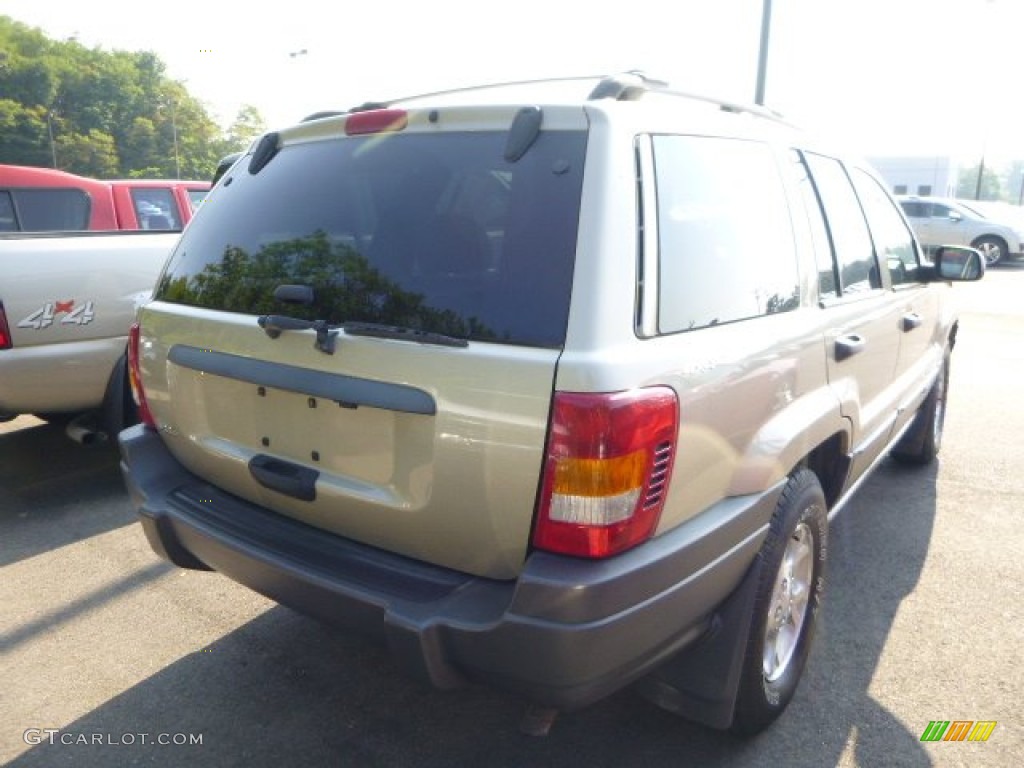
(91, 154)
(110, 114)
(1013, 183)
(991, 189)
(248, 125)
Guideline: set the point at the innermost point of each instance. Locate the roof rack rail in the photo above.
(631, 85)
(624, 86)
(470, 88)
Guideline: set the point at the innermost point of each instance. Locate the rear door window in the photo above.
(848, 231)
(726, 245)
(894, 242)
(434, 232)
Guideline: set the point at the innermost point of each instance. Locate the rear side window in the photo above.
(51, 210)
(726, 246)
(195, 197)
(436, 232)
(155, 208)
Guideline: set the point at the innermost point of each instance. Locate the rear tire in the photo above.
(786, 604)
(922, 441)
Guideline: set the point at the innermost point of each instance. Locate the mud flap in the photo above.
(701, 682)
(118, 411)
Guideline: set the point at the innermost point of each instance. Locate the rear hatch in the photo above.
(361, 326)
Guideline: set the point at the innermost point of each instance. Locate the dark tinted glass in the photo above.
(52, 210)
(435, 232)
(851, 242)
(914, 210)
(196, 197)
(7, 222)
(155, 208)
(726, 239)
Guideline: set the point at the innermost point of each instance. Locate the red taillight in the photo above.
(135, 377)
(5, 331)
(376, 121)
(607, 469)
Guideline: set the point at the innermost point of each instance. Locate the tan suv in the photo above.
(546, 390)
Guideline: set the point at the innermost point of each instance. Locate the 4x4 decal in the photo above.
(47, 314)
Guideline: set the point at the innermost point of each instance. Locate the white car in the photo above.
(944, 221)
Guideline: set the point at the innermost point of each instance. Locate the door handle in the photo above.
(848, 346)
(910, 321)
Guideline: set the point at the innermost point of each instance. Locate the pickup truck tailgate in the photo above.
(69, 300)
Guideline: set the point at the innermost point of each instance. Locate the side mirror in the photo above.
(955, 262)
(954, 216)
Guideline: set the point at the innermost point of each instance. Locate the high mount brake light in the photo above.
(376, 121)
(606, 473)
(135, 377)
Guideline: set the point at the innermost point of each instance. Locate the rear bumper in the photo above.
(565, 633)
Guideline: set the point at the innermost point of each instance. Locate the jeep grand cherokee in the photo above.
(547, 390)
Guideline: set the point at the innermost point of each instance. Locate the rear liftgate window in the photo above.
(438, 232)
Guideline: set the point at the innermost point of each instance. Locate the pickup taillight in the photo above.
(135, 377)
(606, 472)
(5, 331)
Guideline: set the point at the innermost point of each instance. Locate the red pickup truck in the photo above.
(45, 200)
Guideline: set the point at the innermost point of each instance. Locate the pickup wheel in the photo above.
(922, 441)
(786, 604)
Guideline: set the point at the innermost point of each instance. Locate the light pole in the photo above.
(762, 59)
(174, 133)
(981, 172)
(171, 103)
(49, 130)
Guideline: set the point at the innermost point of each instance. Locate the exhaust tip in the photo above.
(84, 431)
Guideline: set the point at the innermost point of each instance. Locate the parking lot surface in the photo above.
(110, 657)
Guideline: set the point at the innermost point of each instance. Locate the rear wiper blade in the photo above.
(275, 325)
(381, 331)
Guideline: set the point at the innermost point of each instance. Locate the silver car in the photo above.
(943, 221)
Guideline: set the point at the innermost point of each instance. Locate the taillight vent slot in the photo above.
(658, 481)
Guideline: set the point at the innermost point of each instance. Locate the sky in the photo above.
(879, 77)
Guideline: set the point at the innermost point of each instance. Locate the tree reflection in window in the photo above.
(345, 286)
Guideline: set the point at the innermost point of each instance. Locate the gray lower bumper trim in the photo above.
(566, 633)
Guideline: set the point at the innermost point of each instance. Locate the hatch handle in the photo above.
(284, 477)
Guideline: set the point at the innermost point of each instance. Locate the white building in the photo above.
(937, 176)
